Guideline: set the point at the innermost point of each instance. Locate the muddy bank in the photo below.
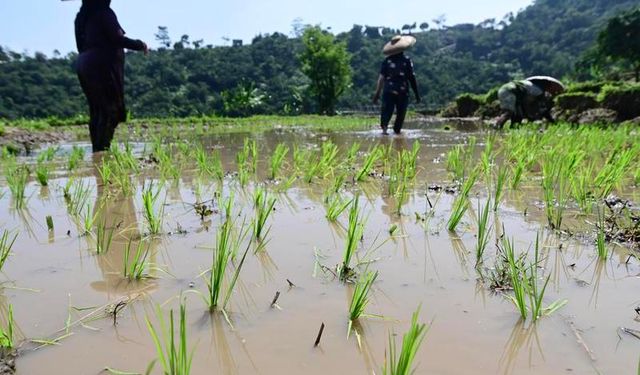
(22, 141)
(8, 362)
(582, 103)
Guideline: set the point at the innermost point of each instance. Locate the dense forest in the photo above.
(185, 77)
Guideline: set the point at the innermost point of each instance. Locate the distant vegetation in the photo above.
(189, 78)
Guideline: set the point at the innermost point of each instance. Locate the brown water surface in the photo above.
(55, 280)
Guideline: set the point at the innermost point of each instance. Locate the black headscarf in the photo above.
(92, 5)
(88, 8)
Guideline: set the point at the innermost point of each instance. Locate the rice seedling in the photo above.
(243, 171)
(136, 268)
(410, 160)
(88, 218)
(401, 363)
(601, 247)
(47, 155)
(17, 178)
(76, 195)
(401, 192)
(168, 167)
(153, 216)
(487, 158)
(49, 220)
(517, 173)
(216, 165)
(338, 183)
(264, 207)
(518, 281)
(42, 173)
(373, 156)
(226, 205)
(461, 159)
(335, 206)
(6, 333)
(173, 352)
(313, 168)
(484, 228)
(226, 248)
(75, 158)
(461, 203)
(300, 157)
(6, 243)
(527, 295)
(455, 162)
(277, 160)
(614, 170)
(352, 153)
(554, 175)
(252, 151)
(203, 161)
(580, 187)
(106, 172)
(501, 180)
(355, 232)
(328, 156)
(360, 298)
(104, 237)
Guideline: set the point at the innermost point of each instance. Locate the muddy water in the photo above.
(55, 280)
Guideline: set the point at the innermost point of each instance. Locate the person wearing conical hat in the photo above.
(396, 74)
(530, 99)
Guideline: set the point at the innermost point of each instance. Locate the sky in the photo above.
(47, 25)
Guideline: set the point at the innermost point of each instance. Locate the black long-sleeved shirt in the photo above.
(103, 31)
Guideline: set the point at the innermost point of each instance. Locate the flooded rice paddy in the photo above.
(81, 303)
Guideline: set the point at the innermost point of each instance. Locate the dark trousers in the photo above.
(391, 102)
(101, 76)
(102, 115)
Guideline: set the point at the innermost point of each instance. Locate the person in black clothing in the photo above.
(100, 67)
(396, 74)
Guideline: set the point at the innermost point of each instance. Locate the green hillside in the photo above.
(188, 79)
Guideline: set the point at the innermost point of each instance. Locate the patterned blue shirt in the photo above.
(397, 70)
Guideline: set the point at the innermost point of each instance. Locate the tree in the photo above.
(183, 43)
(326, 63)
(4, 57)
(162, 36)
(424, 26)
(372, 32)
(355, 39)
(243, 100)
(620, 40)
(440, 21)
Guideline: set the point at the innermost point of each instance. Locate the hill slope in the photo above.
(546, 38)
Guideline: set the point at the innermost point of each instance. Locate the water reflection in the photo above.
(118, 213)
(221, 347)
(522, 337)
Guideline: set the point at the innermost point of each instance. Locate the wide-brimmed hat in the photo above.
(548, 84)
(398, 43)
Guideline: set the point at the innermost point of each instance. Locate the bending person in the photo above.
(396, 74)
(530, 99)
(100, 67)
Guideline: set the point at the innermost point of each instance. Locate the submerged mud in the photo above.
(65, 294)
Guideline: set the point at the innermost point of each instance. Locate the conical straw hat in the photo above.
(398, 44)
